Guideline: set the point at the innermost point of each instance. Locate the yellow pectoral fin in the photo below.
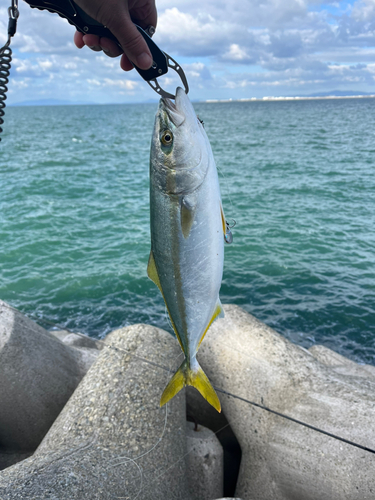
(195, 378)
(218, 313)
(187, 219)
(188, 209)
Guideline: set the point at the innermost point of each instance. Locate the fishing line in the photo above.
(227, 393)
(279, 414)
(304, 424)
(141, 482)
(228, 226)
(182, 457)
(166, 411)
(226, 184)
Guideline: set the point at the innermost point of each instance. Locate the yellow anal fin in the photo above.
(152, 273)
(218, 313)
(195, 378)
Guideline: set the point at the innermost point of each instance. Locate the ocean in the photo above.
(297, 177)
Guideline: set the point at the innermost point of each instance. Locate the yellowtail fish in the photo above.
(187, 235)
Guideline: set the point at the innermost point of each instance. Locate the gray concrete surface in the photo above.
(112, 440)
(205, 463)
(199, 410)
(76, 339)
(341, 364)
(9, 457)
(281, 459)
(38, 374)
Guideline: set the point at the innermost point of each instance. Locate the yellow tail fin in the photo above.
(195, 377)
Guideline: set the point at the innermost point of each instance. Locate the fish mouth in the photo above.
(175, 110)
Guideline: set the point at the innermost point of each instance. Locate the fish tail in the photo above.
(195, 377)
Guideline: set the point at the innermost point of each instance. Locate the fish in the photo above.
(188, 229)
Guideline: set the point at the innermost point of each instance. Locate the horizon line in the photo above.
(291, 98)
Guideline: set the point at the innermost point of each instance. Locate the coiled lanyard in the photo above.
(6, 58)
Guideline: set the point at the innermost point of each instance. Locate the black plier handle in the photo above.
(69, 10)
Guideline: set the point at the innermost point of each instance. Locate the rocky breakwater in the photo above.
(281, 459)
(112, 440)
(38, 374)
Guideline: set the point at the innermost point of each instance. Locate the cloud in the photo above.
(304, 80)
(122, 84)
(224, 47)
(272, 32)
(364, 11)
(236, 53)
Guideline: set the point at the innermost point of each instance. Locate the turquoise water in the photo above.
(298, 178)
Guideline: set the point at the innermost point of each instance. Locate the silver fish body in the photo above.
(187, 234)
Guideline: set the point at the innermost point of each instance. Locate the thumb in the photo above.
(132, 42)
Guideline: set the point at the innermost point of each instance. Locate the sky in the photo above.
(231, 49)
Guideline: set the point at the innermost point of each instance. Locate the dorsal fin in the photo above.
(224, 224)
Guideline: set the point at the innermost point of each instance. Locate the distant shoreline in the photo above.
(297, 98)
(56, 102)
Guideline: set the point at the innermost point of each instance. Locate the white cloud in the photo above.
(364, 10)
(121, 84)
(45, 65)
(236, 53)
(21, 84)
(93, 81)
(197, 70)
(223, 46)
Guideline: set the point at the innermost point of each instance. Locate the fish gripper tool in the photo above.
(69, 10)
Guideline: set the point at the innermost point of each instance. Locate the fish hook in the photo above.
(228, 237)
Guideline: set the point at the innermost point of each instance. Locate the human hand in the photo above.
(118, 16)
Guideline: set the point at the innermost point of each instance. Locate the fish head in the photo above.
(180, 148)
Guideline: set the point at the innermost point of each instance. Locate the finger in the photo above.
(93, 42)
(132, 43)
(110, 47)
(145, 15)
(125, 64)
(78, 40)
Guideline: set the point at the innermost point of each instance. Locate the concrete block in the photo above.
(79, 340)
(340, 364)
(112, 439)
(281, 459)
(38, 374)
(205, 463)
(8, 458)
(329, 357)
(199, 410)
(86, 357)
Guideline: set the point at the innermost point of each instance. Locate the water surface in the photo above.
(298, 178)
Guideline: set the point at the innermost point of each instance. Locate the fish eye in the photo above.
(167, 138)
